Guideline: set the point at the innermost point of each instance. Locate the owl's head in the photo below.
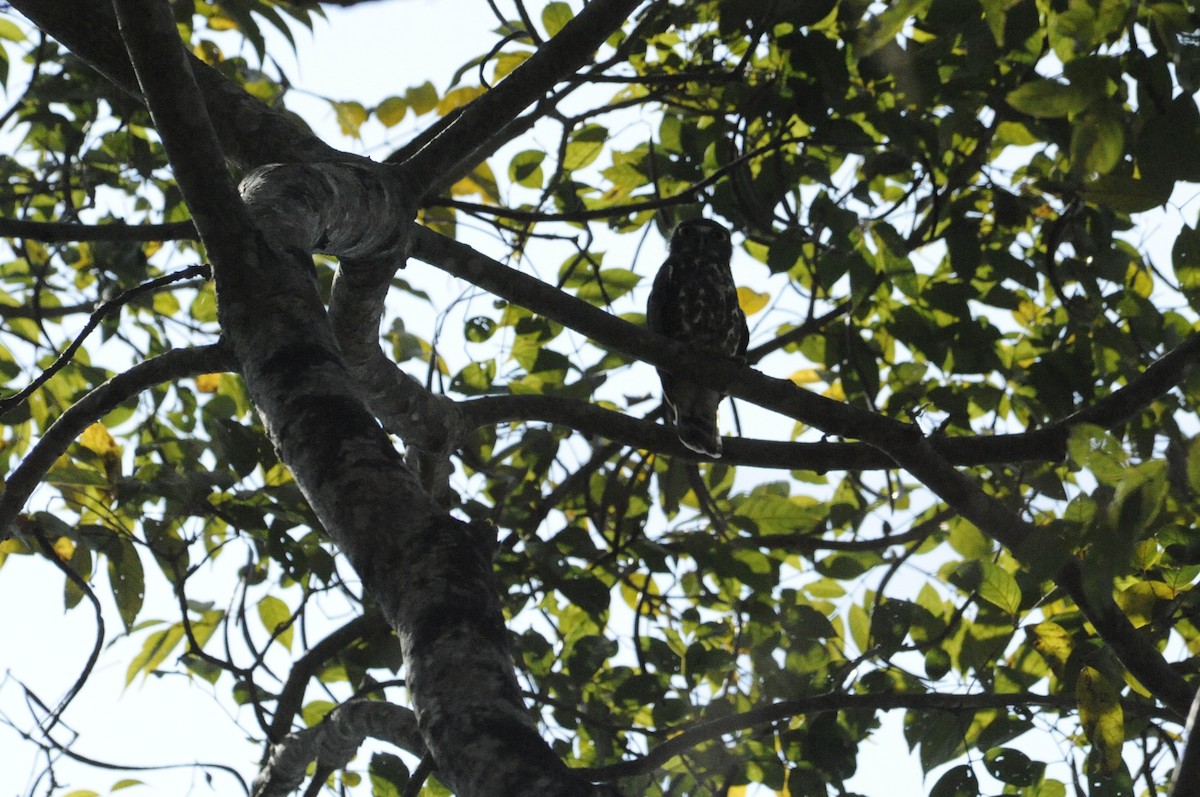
(701, 238)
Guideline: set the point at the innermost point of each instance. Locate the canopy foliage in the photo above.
(940, 208)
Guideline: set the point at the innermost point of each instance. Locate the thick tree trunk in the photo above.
(429, 573)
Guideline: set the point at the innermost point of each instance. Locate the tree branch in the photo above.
(250, 133)
(1047, 443)
(334, 742)
(557, 60)
(430, 574)
(61, 231)
(291, 697)
(8, 402)
(168, 367)
(681, 742)
(684, 196)
(589, 419)
(904, 443)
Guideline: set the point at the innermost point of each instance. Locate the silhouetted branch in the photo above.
(97, 316)
(98, 642)
(555, 61)
(61, 231)
(251, 134)
(684, 196)
(904, 443)
(334, 742)
(681, 742)
(168, 367)
(291, 697)
(50, 743)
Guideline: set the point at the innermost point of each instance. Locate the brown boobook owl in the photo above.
(694, 301)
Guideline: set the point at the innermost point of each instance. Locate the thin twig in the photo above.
(94, 321)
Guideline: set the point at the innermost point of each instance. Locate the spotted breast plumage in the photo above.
(694, 301)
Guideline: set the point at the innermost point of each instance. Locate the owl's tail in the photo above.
(699, 433)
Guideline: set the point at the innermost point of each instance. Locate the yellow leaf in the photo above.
(458, 97)
(422, 99)
(350, 116)
(391, 111)
(165, 303)
(65, 548)
(1138, 600)
(208, 383)
(1053, 642)
(221, 22)
(481, 181)
(507, 62)
(736, 791)
(150, 248)
(752, 301)
(835, 392)
(805, 376)
(1101, 716)
(96, 439)
(278, 475)
(36, 253)
(209, 53)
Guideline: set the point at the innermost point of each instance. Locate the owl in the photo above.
(694, 301)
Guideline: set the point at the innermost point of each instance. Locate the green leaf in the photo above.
(555, 16)
(584, 146)
(388, 775)
(479, 329)
(1185, 257)
(526, 168)
(608, 285)
(1101, 716)
(990, 581)
(391, 111)
(968, 540)
(457, 98)
(959, 781)
(885, 27)
(127, 579)
(1049, 99)
(1096, 450)
(422, 99)
(1139, 498)
(350, 117)
(1127, 194)
(274, 614)
(314, 712)
(154, 651)
(1053, 643)
(1012, 766)
(772, 514)
(937, 663)
(890, 623)
(10, 31)
(999, 588)
(1097, 140)
(125, 783)
(475, 378)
